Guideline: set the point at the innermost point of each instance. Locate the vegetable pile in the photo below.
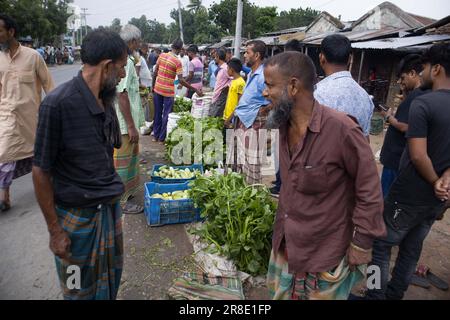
(182, 105)
(239, 219)
(166, 172)
(187, 124)
(176, 195)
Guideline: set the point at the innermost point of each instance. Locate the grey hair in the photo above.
(130, 32)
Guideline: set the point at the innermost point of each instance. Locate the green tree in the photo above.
(296, 18)
(44, 20)
(256, 20)
(195, 5)
(116, 25)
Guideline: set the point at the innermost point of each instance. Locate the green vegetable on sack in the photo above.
(187, 124)
(239, 219)
(182, 105)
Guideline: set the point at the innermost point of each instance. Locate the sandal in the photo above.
(130, 208)
(424, 272)
(419, 281)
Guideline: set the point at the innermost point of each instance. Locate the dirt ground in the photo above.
(154, 257)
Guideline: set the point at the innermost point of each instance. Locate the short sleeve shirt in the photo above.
(395, 141)
(169, 67)
(236, 89)
(429, 118)
(74, 144)
(196, 66)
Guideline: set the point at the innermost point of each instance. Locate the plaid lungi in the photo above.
(96, 249)
(333, 285)
(14, 170)
(126, 161)
(253, 147)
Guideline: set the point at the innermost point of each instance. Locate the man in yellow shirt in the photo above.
(236, 90)
(23, 75)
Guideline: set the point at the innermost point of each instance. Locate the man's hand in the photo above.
(227, 124)
(180, 87)
(358, 256)
(386, 114)
(60, 242)
(442, 188)
(133, 134)
(199, 93)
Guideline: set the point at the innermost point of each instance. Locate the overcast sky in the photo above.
(102, 12)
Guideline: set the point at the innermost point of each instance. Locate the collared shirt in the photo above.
(169, 66)
(75, 142)
(252, 99)
(130, 84)
(223, 80)
(340, 92)
(21, 81)
(331, 193)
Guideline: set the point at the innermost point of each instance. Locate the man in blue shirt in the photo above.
(212, 68)
(252, 110)
(338, 90)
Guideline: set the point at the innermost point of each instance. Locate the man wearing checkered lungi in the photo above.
(251, 112)
(76, 183)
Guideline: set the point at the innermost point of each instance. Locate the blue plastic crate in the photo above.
(161, 212)
(174, 181)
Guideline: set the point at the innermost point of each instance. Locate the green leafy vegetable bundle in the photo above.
(187, 124)
(182, 105)
(239, 220)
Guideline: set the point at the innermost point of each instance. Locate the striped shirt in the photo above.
(196, 66)
(169, 66)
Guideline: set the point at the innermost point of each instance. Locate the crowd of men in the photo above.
(336, 215)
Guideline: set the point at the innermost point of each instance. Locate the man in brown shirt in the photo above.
(23, 74)
(330, 207)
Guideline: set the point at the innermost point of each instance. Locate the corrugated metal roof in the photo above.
(396, 43)
(221, 44)
(285, 31)
(270, 41)
(355, 36)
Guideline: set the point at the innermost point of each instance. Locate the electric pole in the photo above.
(83, 17)
(181, 21)
(238, 37)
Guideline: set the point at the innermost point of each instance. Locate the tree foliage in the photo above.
(296, 18)
(43, 20)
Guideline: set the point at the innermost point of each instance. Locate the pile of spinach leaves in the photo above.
(239, 220)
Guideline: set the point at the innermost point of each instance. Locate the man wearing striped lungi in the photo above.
(76, 184)
(251, 113)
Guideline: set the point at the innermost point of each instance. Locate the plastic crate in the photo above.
(174, 181)
(161, 212)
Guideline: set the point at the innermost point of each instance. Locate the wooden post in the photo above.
(361, 66)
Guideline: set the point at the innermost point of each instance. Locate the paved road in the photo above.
(27, 269)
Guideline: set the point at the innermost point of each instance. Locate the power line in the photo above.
(325, 4)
